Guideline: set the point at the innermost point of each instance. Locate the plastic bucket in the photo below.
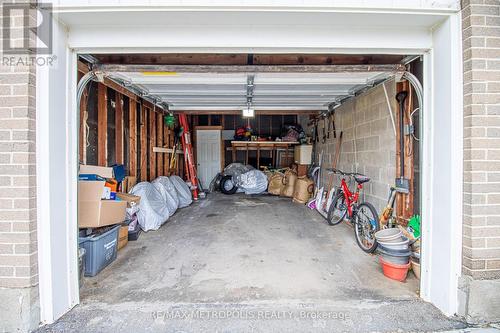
(394, 257)
(394, 252)
(400, 245)
(415, 267)
(81, 265)
(394, 271)
(389, 235)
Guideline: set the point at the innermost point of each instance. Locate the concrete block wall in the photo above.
(481, 209)
(19, 305)
(368, 143)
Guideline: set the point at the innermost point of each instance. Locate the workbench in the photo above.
(258, 146)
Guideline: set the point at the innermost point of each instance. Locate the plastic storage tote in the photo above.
(100, 250)
(81, 265)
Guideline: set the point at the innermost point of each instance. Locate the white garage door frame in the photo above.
(442, 127)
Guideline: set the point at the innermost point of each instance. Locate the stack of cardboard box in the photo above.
(100, 206)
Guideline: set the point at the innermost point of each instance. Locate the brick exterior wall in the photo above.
(481, 52)
(18, 225)
(368, 143)
(18, 248)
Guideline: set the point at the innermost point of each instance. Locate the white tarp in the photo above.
(168, 192)
(252, 182)
(183, 191)
(152, 211)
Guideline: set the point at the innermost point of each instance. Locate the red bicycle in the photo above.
(362, 214)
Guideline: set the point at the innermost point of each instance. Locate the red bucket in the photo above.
(394, 271)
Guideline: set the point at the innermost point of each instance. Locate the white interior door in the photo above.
(208, 156)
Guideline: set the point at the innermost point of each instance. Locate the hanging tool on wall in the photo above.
(402, 183)
(386, 218)
(324, 195)
(316, 134)
(173, 158)
(324, 130)
(331, 125)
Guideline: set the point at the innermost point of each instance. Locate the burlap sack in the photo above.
(275, 183)
(289, 181)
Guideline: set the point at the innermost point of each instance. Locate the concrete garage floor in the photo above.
(248, 263)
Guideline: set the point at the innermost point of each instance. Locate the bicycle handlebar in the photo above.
(350, 174)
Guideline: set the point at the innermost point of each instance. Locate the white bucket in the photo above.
(389, 235)
(396, 245)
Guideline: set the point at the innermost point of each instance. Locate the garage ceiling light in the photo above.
(248, 113)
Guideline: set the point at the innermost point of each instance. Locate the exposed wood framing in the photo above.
(252, 68)
(404, 202)
(102, 125)
(257, 112)
(152, 107)
(249, 59)
(144, 147)
(166, 143)
(83, 127)
(119, 128)
(175, 58)
(82, 68)
(163, 150)
(324, 59)
(133, 139)
(159, 143)
(152, 144)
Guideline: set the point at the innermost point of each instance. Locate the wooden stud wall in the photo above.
(102, 125)
(404, 202)
(144, 145)
(119, 128)
(159, 142)
(133, 138)
(166, 143)
(152, 132)
(152, 144)
(83, 130)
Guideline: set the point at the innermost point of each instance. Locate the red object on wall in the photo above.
(187, 147)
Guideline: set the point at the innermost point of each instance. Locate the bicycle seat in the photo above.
(360, 179)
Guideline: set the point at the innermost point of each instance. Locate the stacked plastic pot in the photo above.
(394, 251)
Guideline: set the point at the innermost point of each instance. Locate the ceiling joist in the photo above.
(165, 69)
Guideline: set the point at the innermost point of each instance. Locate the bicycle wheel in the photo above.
(365, 227)
(338, 210)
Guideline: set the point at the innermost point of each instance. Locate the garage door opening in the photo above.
(260, 251)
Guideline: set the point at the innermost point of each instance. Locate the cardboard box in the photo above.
(122, 237)
(104, 172)
(303, 154)
(127, 183)
(94, 212)
(129, 198)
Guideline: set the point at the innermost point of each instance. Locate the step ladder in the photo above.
(187, 147)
